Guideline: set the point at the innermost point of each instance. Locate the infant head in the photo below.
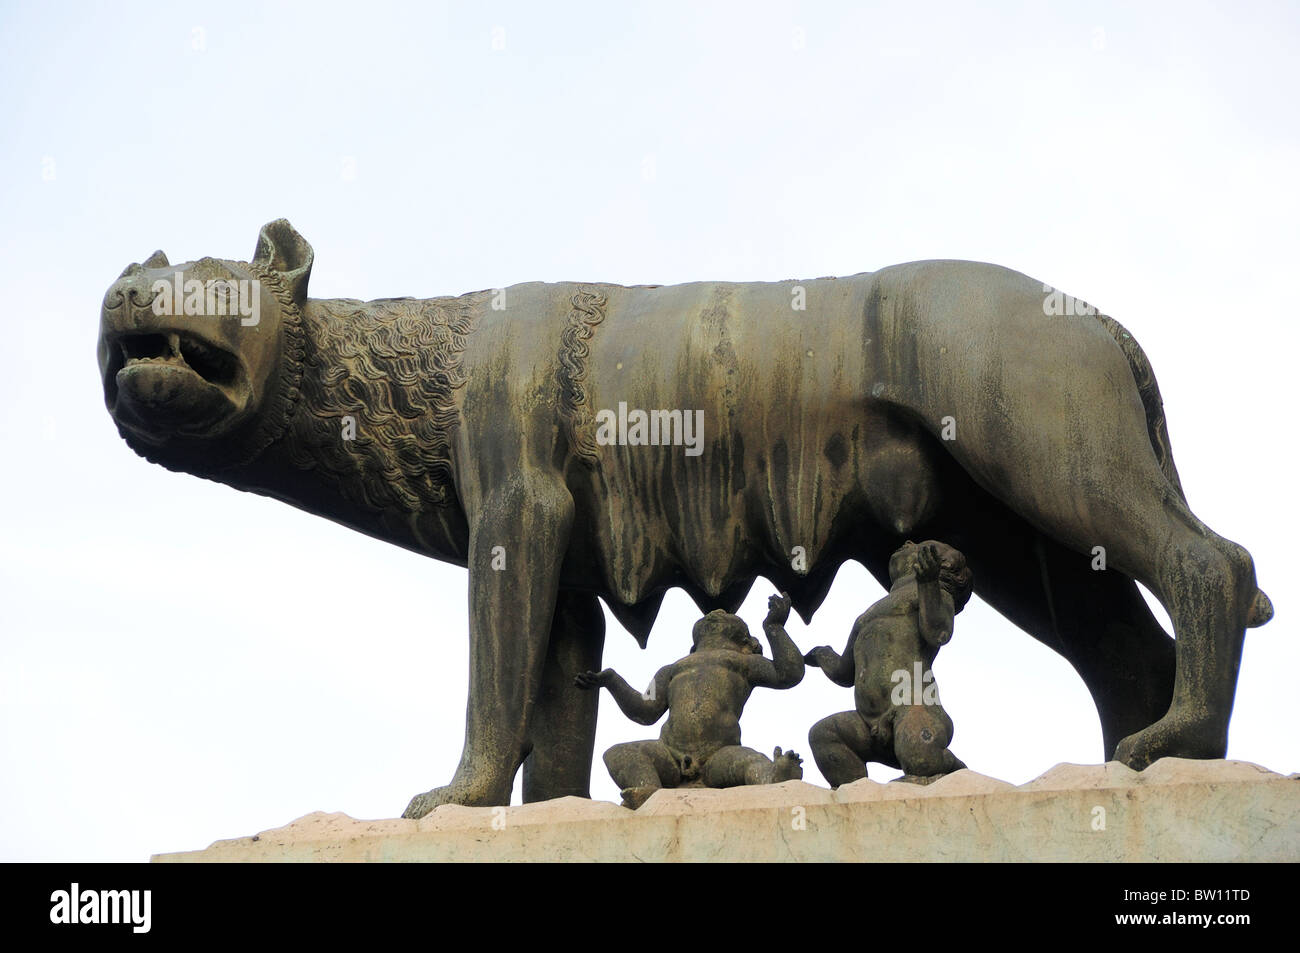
(954, 575)
(724, 630)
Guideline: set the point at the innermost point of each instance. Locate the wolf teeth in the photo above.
(153, 360)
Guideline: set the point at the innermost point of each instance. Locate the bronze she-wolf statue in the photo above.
(576, 441)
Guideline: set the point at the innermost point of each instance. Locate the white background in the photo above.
(180, 662)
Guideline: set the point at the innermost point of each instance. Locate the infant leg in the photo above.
(921, 737)
(640, 768)
(736, 765)
(842, 745)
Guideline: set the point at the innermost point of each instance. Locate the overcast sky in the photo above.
(180, 662)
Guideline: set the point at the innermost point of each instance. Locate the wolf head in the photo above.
(201, 361)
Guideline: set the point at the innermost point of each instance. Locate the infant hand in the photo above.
(778, 609)
(590, 680)
(928, 564)
(813, 656)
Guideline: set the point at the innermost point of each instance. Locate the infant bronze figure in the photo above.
(704, 694)
(898, 720)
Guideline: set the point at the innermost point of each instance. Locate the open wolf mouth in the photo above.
(159, 383)
(182, 351)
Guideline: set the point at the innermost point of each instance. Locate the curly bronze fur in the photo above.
(394, 366)
(588, 311)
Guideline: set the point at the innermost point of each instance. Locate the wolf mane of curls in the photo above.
(393, 366)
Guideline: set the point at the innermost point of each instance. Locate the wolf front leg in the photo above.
(562, 730)
(518, 538)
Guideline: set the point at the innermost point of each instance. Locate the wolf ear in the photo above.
(281, 249)
(156, 260)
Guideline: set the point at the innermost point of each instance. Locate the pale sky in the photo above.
(180, 662)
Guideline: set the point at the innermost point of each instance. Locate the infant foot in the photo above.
(635, 797)
(786, 766)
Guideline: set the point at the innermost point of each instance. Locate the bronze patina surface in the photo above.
(570, 442)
